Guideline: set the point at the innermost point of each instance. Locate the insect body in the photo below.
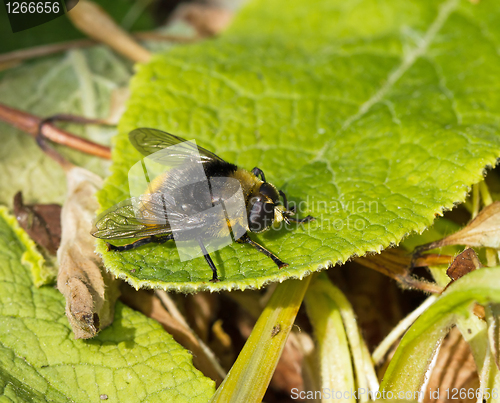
(176, 206)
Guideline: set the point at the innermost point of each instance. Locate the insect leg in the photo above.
(140, 242)
(246, 239)
(285, 201)
(215, 278)
(257, 171)
(302, 220)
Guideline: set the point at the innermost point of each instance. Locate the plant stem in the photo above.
(17, 56)
(485, 194)
(31, 123)
(93, 21)
(475, 200)
(398, 331)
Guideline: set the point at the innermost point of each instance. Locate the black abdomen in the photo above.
(219, 168)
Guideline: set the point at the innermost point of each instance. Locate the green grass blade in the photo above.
(338, 337)
(250, 375)
(332, 345)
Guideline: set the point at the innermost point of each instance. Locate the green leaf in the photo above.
(374, 116)
(419, 344)
(132, 360)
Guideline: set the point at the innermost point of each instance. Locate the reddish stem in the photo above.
(31, 123)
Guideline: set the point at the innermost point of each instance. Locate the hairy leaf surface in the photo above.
(372, 116)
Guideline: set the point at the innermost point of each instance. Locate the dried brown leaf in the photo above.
(464, 263)
(89, 290)
(395, 263)
(454, 368)
(482, 231)
(42, 222)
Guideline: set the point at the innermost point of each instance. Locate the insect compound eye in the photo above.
(261, 216)
(269, 191)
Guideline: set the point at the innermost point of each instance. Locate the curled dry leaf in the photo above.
(482, 231)
(461, 265)
(42, 222)
(395, 263)
(464, 263)
(89, 290)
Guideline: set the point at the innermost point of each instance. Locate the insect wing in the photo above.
(162, 176)
(148, 141)
(120, 222)
(140, 217)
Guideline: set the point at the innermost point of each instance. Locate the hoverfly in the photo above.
(261, 202)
